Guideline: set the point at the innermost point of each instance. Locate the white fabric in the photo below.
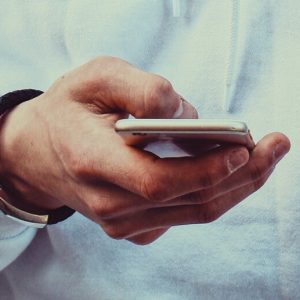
(252, 252)
(14, 238)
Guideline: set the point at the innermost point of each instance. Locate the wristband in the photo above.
(7, 102)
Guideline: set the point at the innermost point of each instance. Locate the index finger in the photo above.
(161, 179)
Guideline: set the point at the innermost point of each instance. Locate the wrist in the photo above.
(14, 132)
(20, 203)
(22, 196)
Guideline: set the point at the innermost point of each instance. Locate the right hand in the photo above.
(61, 149)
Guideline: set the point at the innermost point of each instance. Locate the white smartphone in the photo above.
(184, 131)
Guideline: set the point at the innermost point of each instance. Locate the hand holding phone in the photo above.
(190, 134)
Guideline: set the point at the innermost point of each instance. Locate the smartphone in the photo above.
(187, 132)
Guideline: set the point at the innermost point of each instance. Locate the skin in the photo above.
(61, 149)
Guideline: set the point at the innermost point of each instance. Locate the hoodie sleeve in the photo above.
(14, 238)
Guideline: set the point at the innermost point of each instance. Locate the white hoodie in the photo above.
(231, 59)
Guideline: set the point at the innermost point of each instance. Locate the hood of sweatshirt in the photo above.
(209, 40)
(219, 56)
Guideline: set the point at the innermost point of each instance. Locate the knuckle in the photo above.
(107, 60)
(162, 86)
(97, 73)
(93, 77)
(103, 206)
(114, 231)
(158, 90)
(102, 211)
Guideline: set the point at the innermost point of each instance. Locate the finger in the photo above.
(145, 174)
(157, 218)
(188, 111)
(112, 84)
(159, 179)
(110, 201)
(267, 153)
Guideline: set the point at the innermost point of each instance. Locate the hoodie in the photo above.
(230, 59)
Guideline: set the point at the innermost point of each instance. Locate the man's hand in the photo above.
(61, 149)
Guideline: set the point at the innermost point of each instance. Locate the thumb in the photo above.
(185, 111)
(114, 85)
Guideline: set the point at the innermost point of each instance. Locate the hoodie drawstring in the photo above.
(232, 50)
(176, 8)
(231, 60)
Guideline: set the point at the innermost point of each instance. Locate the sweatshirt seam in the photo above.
(14, 236)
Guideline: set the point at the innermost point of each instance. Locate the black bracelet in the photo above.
(7, 102)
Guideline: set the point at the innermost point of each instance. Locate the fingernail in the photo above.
(189, 112)
(185, 111)
(237, 158)
(179, 110)
(279, 151)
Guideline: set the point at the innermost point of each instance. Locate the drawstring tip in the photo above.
(176, 8)
(226, 107)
